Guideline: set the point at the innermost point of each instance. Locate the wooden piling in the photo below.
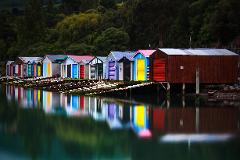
(197, 81)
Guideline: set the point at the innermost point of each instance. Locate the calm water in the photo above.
(37, 124)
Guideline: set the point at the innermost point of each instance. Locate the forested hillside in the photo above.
(98, 26)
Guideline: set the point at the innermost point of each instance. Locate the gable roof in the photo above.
(31, 59)
(198, 52)
(9, 62)
(145, 52)
(102, 59)
(119, 55)
(56, 58)
(79, 59)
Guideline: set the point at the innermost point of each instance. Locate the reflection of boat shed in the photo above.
(182, 66)
(97, 68)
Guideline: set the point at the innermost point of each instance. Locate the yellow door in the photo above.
(39, 71)
(48, 69)
(140, 70)
(140, 116)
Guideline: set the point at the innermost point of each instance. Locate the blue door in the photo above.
(74, 71)
(75, 102)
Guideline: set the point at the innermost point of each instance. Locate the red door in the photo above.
(159, 69)
(82, 102)
(82, 71)
(19, 70)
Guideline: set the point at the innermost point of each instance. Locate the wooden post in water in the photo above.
(168, 89)
(197, 81)
(183, 88)
(183, 101)
(197, 119)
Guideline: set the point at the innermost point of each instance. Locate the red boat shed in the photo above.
(214, 66)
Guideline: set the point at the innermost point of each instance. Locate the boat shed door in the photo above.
(127, 70)
(69, 71)
(159, 69)
(111, 70)
(140, 69)
(74, 71)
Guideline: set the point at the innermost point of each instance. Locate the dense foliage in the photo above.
(98, 26)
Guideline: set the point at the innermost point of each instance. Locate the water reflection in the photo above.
(143, 119)
(48, 125)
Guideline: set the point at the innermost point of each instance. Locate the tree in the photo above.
(75, 27)
(112, 39)
(107, 3)
(31, 27)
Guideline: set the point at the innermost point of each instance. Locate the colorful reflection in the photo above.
(145, 121)
(141, 121)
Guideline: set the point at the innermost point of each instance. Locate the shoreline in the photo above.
(110, 87)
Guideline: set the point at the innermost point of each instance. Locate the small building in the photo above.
(112, 63)
(9, 68)
(141, 65)
(28, 66)
(125, 69)
(69, 68)
(81, 70)
(52, 65)
(97, 69)
(213, 66)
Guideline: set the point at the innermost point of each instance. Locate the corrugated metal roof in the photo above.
(173, 51)
(211, 52)
(31, 59)
(145, 52)
(81, 58)
(118, 55)
(198, 52)
(55, 58)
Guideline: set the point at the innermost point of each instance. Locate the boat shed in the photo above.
(126, 68)
(82, 68)
(97, 67)
(52, 65)
(141, 65)
(28, 67)
(112, 63)
(9, 68)
(69, 68)
(208, 66)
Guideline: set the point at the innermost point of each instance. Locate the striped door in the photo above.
(159, 69)
(111, 70)
(140, 70)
